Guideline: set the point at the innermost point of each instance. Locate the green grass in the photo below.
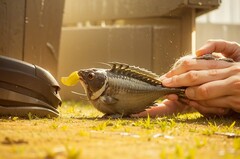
(80, 133)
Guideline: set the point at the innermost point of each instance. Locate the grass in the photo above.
(80, 133)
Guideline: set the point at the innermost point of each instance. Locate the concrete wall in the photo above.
(30, 31)
(148, 33)
(222, 23)
(205, 31)
(151, 47)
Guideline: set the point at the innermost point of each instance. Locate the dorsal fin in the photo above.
(135, 72)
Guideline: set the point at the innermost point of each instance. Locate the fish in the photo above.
(122, 89)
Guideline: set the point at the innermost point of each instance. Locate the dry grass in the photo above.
(80, 133)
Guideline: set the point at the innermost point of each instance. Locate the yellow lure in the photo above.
(71, 80)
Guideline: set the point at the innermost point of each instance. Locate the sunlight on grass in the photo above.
(78, 109)
(80, 132)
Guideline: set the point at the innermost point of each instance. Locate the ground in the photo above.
(79, 132)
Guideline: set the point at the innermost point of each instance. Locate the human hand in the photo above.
(166, 107)
(226, 48)
(213, 86)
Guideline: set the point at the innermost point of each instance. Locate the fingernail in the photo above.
(190, 93)
(167, 81)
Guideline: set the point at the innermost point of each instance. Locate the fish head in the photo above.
(94, 82)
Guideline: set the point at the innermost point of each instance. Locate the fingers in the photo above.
(221, 102)
(153, 111)
(215, 89)
(209, 90)
(233, 102)
(167, 107)
(228, 49)
(194, 64)
(172, 97)
(193, 78)
(206, 111)
(218, 106)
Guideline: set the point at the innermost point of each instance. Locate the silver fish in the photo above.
(122, 89)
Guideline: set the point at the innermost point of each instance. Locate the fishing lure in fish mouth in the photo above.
(93, 81)
(123, 89)
(71, 80)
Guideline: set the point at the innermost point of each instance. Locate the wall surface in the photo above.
(151, 34)
(12, 20)
(206, 31)
(140, 45)
(30, 31)
(223, 23)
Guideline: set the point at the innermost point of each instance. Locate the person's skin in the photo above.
(213, 86)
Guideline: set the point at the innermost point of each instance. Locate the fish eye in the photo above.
(91, 76)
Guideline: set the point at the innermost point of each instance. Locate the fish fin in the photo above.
(123, 66)
(108, 99)
(106, 64)
(81, 95)
(135, 72)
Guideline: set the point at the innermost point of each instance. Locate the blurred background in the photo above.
(221, 23)
(65, 36)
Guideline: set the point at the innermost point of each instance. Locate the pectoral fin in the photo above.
(108, 99)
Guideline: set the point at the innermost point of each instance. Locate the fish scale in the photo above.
(124, 89)
(132, 89)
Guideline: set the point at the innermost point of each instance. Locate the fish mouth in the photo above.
(80, 77)
(83, 82)
(74, 78)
